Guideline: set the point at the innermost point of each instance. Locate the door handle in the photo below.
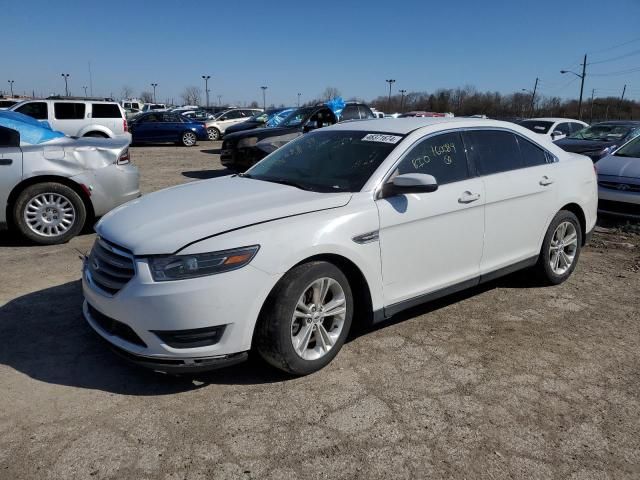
(468, 197)
(5, 161)
(545, 181)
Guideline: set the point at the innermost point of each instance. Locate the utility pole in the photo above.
(11, 85)
(206, 87)
(154, 85)
(593, 92)
(390, 81)
(581, 77)
(66, 85)
(402, 92)
(219, 100)
(85, 92)
(621, 100)
(299, 99)
(533, 95)
(264, 97)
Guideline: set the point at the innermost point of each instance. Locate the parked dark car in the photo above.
(258, 120)
(600, 139)
(162, 127)
(241, 150)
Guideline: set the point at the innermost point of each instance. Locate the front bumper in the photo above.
(619, 202)
(142, 307)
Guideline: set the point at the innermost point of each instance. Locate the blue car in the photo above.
(163, 127)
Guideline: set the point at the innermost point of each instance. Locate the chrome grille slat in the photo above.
(110, 267)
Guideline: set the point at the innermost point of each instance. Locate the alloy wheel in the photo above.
(189, 139)
(563, 248)
(318, 318)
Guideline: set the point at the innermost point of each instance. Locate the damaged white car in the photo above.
(51, 185)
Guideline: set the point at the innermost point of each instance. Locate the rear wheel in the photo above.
(307, 319)
(213, 133)
(188, 139)
(49, 213)
(560, 248)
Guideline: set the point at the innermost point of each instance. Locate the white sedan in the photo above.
(554, 128)
(350, 223)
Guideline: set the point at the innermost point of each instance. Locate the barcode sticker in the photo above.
(380, 137)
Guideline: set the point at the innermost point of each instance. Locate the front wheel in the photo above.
(560, 248)
(49, 213)
(307, 319)
(188, 139)
(213, 133)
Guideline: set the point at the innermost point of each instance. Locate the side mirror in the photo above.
(410, 183)
(556, 133)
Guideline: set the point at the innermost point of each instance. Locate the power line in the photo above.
(620, 72)
(619, 57)
(615, 46)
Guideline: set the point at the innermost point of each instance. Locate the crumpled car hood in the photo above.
(166, 221)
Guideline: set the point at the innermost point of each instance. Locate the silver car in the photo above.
(49, 191)
(619, 181)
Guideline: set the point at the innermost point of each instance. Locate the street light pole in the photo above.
(154, 85)
(219, 100)
(581, 77)
(533, 95)
(66, 85)
(299, 99)
(11, 86)
(206, 87)
(390, 82)
(402, 92)
(85, 91)
(593, 92)
(264, 97)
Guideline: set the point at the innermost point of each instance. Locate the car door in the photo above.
(171, 127)
(10, 165)
(431, 241)
(147, 128)
(519, 184)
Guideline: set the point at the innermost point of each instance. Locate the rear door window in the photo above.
(532, 155)
(105, 110)
(171, 117)
(69, 111)
(8, 137)
(493, 151)
(442, 156)
(37, 110)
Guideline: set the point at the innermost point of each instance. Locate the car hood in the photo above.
(261, 133)
(615, 166)
(240, 127)
(580, 146)
(167, 220)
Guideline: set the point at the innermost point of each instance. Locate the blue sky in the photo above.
(298, 46)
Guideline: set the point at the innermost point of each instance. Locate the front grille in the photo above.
(619, 207)
(110, 266)
(115, 328)
(623, 187)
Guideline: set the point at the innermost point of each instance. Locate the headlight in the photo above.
(247, 142)
(179, 267)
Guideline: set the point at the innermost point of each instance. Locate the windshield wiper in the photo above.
(244, 175)
(284, 181)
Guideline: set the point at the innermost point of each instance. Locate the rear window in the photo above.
(105, 110)
(69, 111)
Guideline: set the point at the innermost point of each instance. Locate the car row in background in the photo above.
(600, 139)
(243, 149)
(53, 185)
(217, 126)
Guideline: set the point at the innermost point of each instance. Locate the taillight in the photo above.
(124, 125)
(124, 158)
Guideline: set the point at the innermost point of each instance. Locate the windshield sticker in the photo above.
(379, 137)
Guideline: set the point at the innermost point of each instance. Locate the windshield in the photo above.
(631, 149)
(334, 161)
(602, 132)
(537, 126)
(260, 117)
(296, 117)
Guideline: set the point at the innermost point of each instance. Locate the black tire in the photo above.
(544, 268)
(273, 332)
(188, 139)
(214, 134)
(33, 191)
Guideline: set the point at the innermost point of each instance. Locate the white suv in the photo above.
(348, 223)
(217, 127)
(78, 118)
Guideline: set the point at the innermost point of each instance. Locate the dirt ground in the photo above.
(507, 380)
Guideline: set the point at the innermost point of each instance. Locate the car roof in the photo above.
(406, 125)
(553, 119)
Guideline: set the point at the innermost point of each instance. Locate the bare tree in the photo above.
(127, 92)
(146, 97)
(192, 96)
(253, 104)
(330, 93)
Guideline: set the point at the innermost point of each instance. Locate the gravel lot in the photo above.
(507, 380)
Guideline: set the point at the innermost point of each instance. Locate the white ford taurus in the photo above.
(350, 223)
